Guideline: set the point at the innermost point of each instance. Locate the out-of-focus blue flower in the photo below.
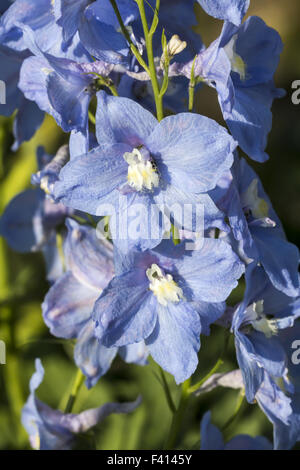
(68, 306)
(29, 117)
(167, 297)
(141, 162)
(30, 220)
(230, 10)
(212, 439)
(50, 429)
(22, 17)
(256, 228)
(256, 323)
(241, 64)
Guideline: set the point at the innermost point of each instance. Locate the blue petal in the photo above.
(193, 212)
(21, 223)
(102, 40)
(125, 312)
(260, 48)
(71, 12)
(274, 403)
(211, 272)
(89, 181)
(70, 99)
(26, 123)
(230, 10)
(33, 83)
(251, 119)
(136, 353)
(175, 340)
(120, 120)
(209, 313)
(68, 305)
(252, 374)
(192, 151)
(245, 442)
(91, 356)
(89, 259)
(211, 437)
(279, 258)
(10, 64)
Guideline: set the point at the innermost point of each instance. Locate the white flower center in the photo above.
(163, 286)
(141, 172)
(259, 321)
(237, 63)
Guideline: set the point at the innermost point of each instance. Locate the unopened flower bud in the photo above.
(174, 46)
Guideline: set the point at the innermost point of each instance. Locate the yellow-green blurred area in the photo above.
(23, 285)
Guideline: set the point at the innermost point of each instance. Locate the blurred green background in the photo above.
(23, 285)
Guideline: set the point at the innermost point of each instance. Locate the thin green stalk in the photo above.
(237, 409)
(78, 382)
(217, 365)
(149, 47)
(59, 245)
(178, 417)
(175, 235)
(133, 48)
(167, 391)
(192, 85)
(92, 118)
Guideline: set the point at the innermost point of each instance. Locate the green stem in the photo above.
(92, 118)
(238, 406)
(192, 85)
(175, 235)
(59, 245)
(149, 47)
(78, 382)
(217, 365)
(133, 48)
(167, 391)
(195, 387)
(178, 416)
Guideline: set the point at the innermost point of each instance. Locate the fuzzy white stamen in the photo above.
(259, 321)
(163, 286)
(141, 172)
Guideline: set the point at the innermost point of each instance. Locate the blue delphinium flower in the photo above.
(141, 162)
(167, 297)
(257, 231)
(67, 308)
(241, 64)
(256, 323)
(50, 429)
(60, 86)
(212, 439)
(24, 16)
(30, 220)
(230, 10)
